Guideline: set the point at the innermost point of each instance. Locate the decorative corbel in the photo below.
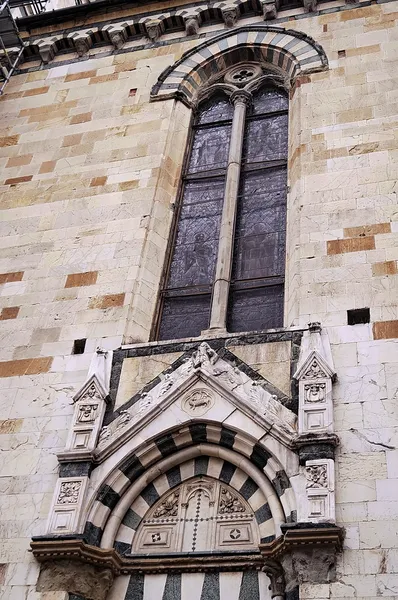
(118, 37)
(82, 45)
(270, 9)
(274, 572)
(154, 29)
(310, 5)
(192, 24)
(46, 50)
(230, 16)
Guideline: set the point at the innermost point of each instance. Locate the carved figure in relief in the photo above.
(317, 476)
(314, 371)
(204, 355)
(69, 492)
(124, 418)
(229, 503)
(87, 413)
(117, 38)
(315, 392)
(105, 434)
(310, 5)
(166, 384)
(230, 16)
(169, 507)
(230, 375)
(197, 402)
(153, 30)
(145, 402)
(91, 394)
(270, 10)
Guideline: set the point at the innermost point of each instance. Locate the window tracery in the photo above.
(227, 266)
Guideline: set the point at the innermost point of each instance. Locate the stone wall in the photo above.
(90, 173)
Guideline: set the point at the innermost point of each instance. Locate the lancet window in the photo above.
(226, 270)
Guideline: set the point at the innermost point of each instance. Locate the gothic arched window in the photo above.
(227, 265)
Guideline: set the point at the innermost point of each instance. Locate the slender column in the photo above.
(219, 302)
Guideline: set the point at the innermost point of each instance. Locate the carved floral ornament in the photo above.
(317, 476)
(69, 492)
(314, 371)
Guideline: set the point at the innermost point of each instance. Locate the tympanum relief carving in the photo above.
(201, 514)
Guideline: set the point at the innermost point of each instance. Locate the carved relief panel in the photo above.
(201, 514)
(66, 505)
(315, 388)
(319, 475)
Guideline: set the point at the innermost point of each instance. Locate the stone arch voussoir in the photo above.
(137, 470)
(290, 52)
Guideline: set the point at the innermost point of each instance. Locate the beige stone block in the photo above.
(373, 535)
(362, 466)
(271, 360)
(138, 371)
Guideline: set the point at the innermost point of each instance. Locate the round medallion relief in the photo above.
(198, 402)
(243, 74)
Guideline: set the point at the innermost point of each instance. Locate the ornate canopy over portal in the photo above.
(205, 470)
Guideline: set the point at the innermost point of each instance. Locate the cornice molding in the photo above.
(58, 549)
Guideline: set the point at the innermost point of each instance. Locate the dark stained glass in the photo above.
(217, 108)
(209, 149)
(260, 228)
(269, 100)
(255, 309)
(196, 244)
(186, 297)
(266, 139)
(184, 316)
(256, 295)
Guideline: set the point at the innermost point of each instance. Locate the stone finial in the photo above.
(100, 366)
(153, 29)
(191, 24)
(230, 16)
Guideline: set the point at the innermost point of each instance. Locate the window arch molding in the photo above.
(293, 53)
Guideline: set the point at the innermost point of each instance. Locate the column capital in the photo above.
(241, 97)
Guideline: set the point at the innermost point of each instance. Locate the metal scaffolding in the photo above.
(11, 43)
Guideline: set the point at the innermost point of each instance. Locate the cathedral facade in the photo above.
(198, 287)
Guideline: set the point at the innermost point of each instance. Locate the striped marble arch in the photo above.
(204, 446)
(291, 52)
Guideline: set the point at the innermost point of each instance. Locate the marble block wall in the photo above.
(89, 177)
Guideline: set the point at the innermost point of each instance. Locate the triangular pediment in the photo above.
(314, 367)
(202, 386)
(91, 390)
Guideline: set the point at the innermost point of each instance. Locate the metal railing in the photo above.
(11, 43)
